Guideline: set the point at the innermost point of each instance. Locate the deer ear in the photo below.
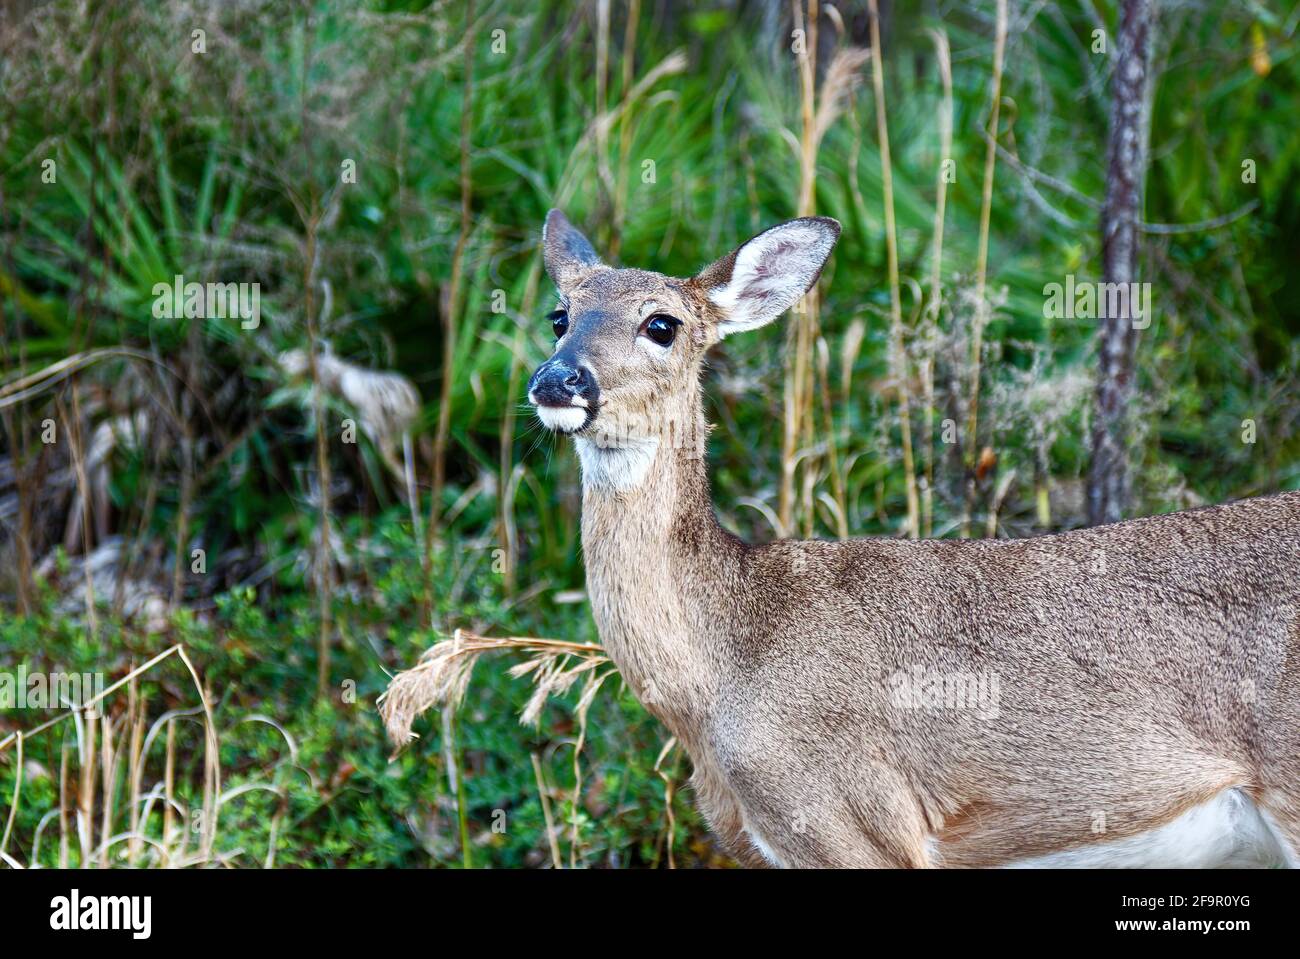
(768, 274)
(565, 251)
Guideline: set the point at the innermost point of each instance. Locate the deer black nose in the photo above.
(578, 380)
(556, 383)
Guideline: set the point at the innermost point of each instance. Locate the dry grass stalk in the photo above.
(442, 676)
(169, 782)
(552, 676)
(981, 268)
(842, 78)
(102, 745)
(798, 361)
(86, 795)
(108, 763)
(551, 839)
(324, 586)
(999, 496)
(624, 129)
(451, 766)
(26, 387)
(63, 805)
(136, 712)
(86, 706)
(72, 430)
(839, 498)
(184, 407)
(13, 804)
(605, 176)
(211, 763)
(669, 791)
(509, 476)
(24, 488)
(183, 516)
(931, 332)
(897, 350)
(819, 109)
(450, 303)
(850, 350)
(575, 175)
(676, 62)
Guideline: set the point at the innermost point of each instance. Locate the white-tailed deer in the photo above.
(1127, 695)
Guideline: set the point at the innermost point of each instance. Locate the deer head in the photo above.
(629, 344)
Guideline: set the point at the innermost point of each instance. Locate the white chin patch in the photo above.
(616, 468)
(565, 419)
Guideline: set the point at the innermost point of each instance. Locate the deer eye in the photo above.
(662, 328)
(559, 323)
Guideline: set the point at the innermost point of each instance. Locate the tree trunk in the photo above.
(1108, 476)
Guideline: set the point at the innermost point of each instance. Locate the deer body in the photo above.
(1123, 695)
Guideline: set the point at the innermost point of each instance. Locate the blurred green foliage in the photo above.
(226, 165)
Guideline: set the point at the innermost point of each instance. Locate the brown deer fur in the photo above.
(1143, 675)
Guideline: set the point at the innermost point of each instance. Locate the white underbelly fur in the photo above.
(1228, 831)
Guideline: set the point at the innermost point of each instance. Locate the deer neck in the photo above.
(653, 548)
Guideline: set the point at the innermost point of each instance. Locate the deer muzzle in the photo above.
(565, 394)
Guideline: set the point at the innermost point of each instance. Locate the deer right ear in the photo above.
(768, 274)
(565, 251)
